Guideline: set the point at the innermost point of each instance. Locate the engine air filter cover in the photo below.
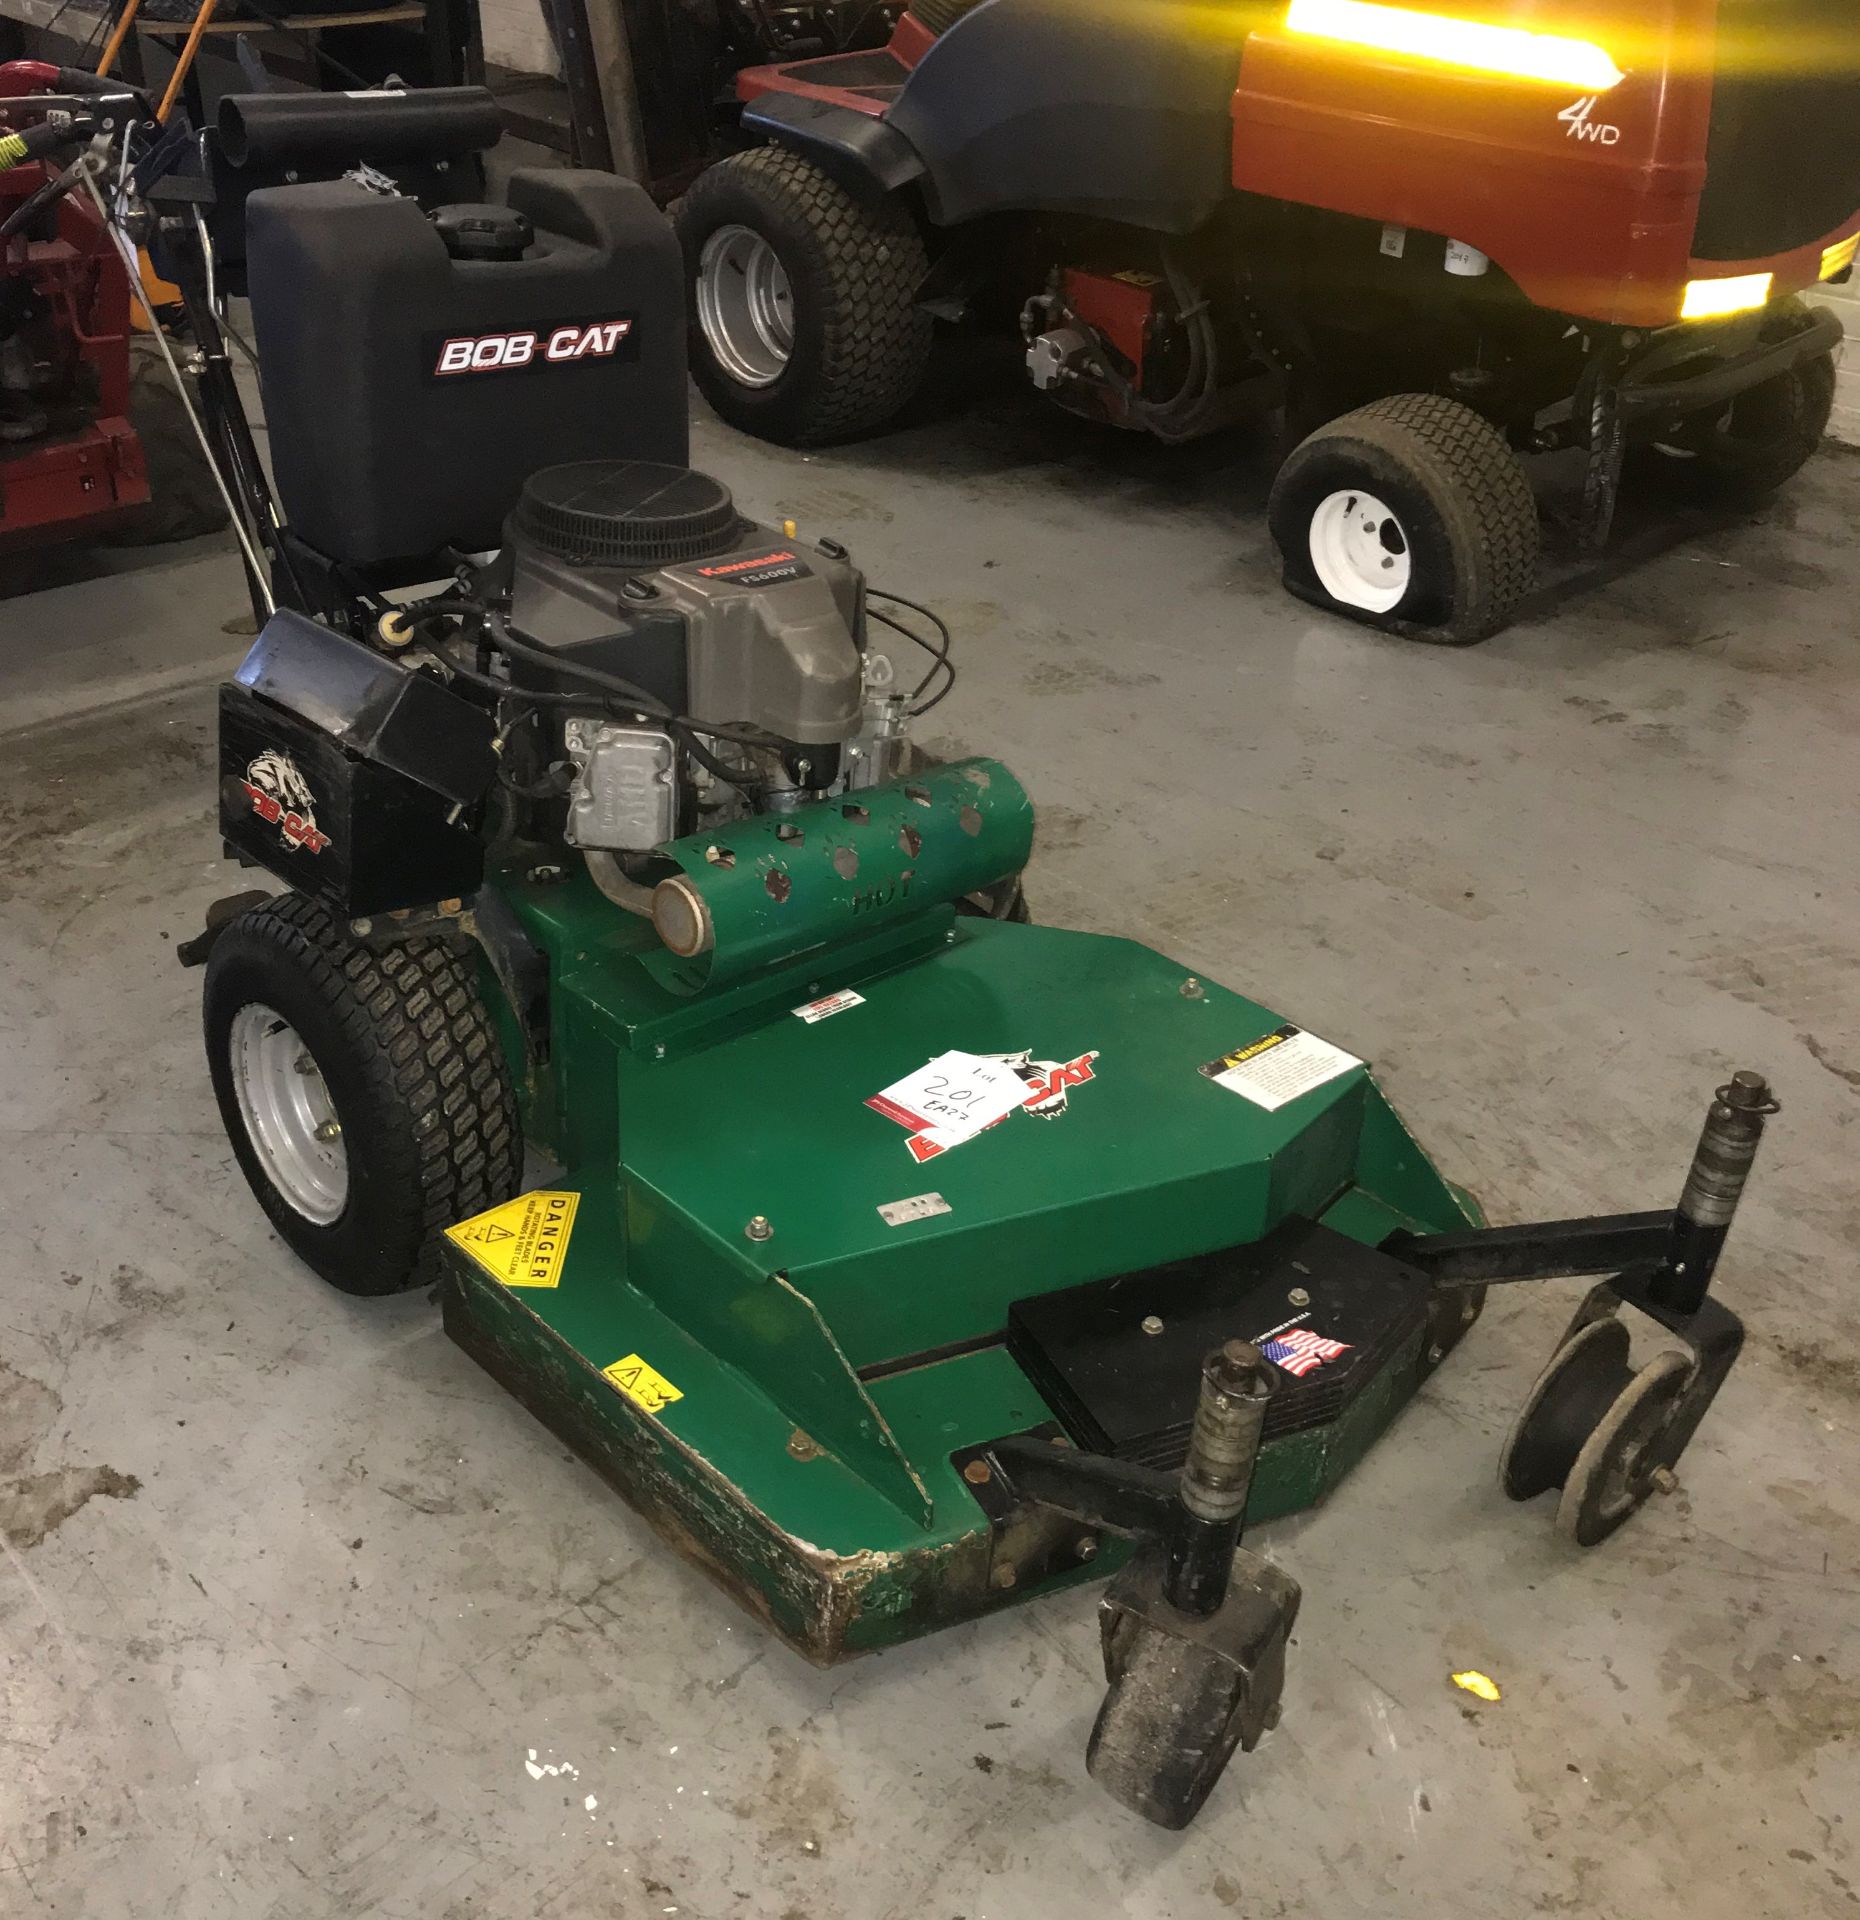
(625, 513)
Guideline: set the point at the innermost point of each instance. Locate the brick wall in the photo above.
(514, 35)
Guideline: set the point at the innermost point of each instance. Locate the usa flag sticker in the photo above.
(1299, 1351)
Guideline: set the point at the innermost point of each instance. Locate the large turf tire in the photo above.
(184, 500)
(1464, 521)
(405, 1048)
(853, 266)
(1743, 451)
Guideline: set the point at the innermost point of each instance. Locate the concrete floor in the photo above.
(289, 1591)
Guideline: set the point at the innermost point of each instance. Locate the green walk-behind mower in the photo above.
(898, 1259)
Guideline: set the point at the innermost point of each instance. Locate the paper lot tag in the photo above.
(959, 1095)
(521, 1243)
(1277, 1069)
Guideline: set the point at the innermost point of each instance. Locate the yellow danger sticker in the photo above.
(640, 1384)
(523, 1242)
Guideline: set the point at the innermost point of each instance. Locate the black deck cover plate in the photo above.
(1122, 1391)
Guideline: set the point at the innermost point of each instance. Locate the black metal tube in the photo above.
(342, 129)
(222, 412)
(1725, 379)
(1714, 1185)
(1091, 1487)
(1539, 1250)
(1217, 1475)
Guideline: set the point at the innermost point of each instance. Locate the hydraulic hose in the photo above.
(38, 141)
(36, 202)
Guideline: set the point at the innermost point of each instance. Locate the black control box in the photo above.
(349, 776)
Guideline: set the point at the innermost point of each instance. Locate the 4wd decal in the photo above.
(281, 797)
(566, 343)
(1579, 120)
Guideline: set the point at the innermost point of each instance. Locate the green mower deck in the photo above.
(728, 1325)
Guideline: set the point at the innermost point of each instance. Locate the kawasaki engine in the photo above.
(749, 642)
(640, 662)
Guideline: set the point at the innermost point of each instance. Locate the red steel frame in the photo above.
(92, 472)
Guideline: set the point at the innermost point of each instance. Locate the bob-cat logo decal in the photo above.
(1047, 1080)
(533, 347)
(281, 797)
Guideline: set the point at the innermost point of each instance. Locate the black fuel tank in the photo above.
(410, 393)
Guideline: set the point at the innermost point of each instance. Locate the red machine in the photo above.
(1444, 234)
(69, 457)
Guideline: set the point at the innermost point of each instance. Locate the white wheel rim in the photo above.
(745, 306)
(289, 1117)
(1361, 552)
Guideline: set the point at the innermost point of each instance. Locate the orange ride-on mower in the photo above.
(93, 437)
(1443, 236)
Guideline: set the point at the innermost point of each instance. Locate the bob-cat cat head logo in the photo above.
(281, 796)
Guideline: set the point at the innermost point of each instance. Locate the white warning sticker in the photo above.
(920, 1206)
(828, 1003)
(1277, 1069)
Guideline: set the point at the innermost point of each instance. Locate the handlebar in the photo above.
(38, 86)
(39, 142)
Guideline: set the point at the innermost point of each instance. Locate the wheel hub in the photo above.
(745, 306)
(1360, 551)
(288, 1113)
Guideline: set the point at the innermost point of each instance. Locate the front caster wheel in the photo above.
(364, 1093)
(1592, 1425)
(804, 322)
(1411, 514)
(1184, 1692)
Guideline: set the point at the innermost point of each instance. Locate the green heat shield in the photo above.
(772, 888)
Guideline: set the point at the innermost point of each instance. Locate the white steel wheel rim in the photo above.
(745, 306)
(289, 1116)
(1360, 551)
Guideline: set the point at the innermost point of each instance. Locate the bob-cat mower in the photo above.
(1439, 236)
(898, 1259)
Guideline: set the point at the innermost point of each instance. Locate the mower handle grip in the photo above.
(30, 81)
